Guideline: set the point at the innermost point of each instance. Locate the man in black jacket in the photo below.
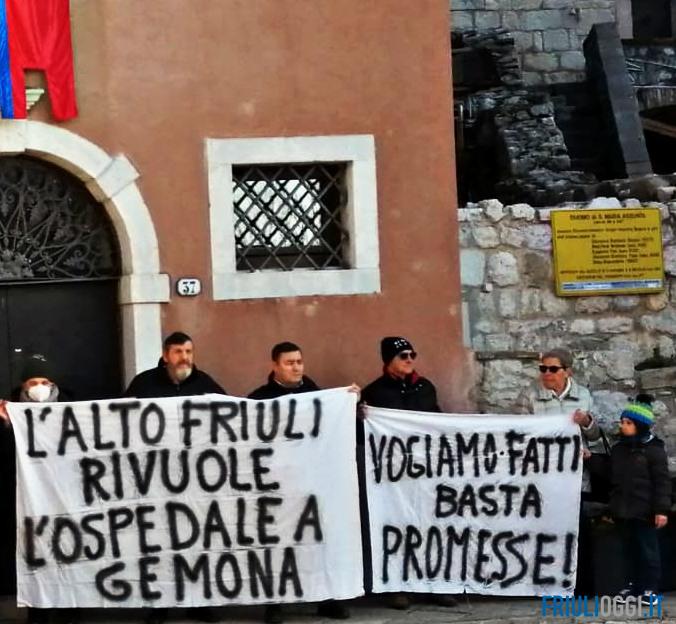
(287, 377)
(400, 387)
(174, 375)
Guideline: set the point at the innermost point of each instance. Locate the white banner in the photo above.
(479, 503)
(187, 501)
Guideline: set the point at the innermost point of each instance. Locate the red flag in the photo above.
(39, 38)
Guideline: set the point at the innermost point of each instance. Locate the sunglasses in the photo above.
(552, 369)
(406, 355)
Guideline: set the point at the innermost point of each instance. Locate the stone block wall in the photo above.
(512, 314)
(548, 33)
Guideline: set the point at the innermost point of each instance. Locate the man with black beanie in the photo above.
(400, 387)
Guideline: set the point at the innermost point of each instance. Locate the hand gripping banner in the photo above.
(35, 34)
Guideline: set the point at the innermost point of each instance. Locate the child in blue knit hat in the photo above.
(640, 498)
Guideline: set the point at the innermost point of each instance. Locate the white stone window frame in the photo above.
(360, 217)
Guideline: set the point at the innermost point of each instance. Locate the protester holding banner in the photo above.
(187, 501)
(175, 375)
(287, 377)
(37, 386)
(640, 498)
(400, 387)
(558, 393)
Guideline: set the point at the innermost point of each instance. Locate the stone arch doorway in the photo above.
(112, 183)
(59, 268)
(132, 300)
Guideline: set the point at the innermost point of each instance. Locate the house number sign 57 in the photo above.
(188, 286)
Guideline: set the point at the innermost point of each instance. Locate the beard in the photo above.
(182, 372)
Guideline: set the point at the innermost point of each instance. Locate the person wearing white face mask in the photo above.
(36, 387)
(39, 390)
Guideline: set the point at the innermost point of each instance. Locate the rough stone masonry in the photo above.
(512, 313)
(548, 33)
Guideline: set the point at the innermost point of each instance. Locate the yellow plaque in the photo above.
(605, 252)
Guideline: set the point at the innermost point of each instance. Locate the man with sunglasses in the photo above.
(557, 392)
(399, 387)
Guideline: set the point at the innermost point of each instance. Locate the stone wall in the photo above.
(512, 313)
(548, 33)
(533, 164)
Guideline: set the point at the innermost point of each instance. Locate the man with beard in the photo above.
(174, 375)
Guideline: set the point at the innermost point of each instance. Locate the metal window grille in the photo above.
(51, 228)
(290, 216)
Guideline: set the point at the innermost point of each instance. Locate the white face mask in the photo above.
(39, 393)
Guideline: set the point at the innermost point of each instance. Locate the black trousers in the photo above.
(584, 585)
(364, 518)
(8, 515)
(641, 554)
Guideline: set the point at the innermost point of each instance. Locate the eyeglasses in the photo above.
(407, 355)
(551, 369)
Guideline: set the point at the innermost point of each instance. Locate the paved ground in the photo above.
(472, 609)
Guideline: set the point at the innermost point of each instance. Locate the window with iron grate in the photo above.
(290, 216)
(293, 216)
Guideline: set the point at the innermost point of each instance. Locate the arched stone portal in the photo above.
(112, 181)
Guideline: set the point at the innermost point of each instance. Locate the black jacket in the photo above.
(641, 487)
(413, 393)
(272, 389)
(155, 383)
